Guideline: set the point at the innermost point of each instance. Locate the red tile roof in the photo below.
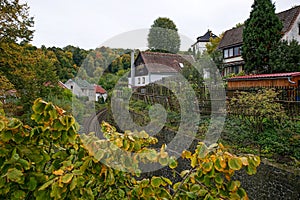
(99, 89)
(265, 76)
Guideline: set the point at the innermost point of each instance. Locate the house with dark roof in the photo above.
(200, 44)
(82, 88)
(150, 67)
(232, 41)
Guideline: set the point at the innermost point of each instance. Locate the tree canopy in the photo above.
(163, 36)
(15, 22)
(261, 34)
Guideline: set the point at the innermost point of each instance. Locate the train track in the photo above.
(93, 123)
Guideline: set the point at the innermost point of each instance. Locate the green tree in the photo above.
(15, 22)
(286, 57)
(214, 52)
(163, 36)
(261, 34)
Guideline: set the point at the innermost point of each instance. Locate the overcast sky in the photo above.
(89, 23)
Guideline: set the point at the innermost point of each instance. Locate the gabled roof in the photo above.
(234, 36)
(206, 37)
(156, 62)
(81, 83)
(99, 89)
(264, 76)
(288, 17)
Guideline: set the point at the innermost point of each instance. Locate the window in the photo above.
(71, 87)
(299, 29)
(143, 80)
(226, 53)
(231, 52)
(236, 51)
(139, 80)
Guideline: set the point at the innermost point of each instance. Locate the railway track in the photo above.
(92, 124)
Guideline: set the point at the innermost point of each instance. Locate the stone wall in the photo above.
(270, 182)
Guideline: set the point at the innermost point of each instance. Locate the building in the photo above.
(150, 67)
(200, 45)
(100, 93)
(81, 88)
(291, 79)
(232, 41)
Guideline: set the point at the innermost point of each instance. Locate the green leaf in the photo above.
(47, 184)
(73, 183)
(15, 175)
(39, 106)
(195, 188)
(19, 194)
(156, 181)
(219, 179)
(172, 163)
(191, 195)
(147, 192)
(32, 184)
(67, 178)
(208, 166)
(6, 136)
(235, 163)
(202, 192)
(2, 125)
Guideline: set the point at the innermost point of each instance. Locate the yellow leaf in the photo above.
(58, 172)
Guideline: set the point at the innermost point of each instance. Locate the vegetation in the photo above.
(258, 124)
(51, 161)
(261, 35)
(15, 22)
(285, 58)
(163, 36)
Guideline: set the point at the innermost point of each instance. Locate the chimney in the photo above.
(132, 69)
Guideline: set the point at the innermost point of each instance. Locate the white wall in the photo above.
(294, 32)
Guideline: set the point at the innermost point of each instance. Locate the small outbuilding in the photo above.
(290, 79)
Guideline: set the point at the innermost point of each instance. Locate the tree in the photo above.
(15, 22)
(261, 34)
(286, 57)
(214, 52)
(163, 36)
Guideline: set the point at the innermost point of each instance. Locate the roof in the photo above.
(82, 83)
(157, 62)
(264, 76)
(234, 36)
(206, 37)
(288, 17)
(99, 89)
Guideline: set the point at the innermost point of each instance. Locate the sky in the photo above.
(92, 23)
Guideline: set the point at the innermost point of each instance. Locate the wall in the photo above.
(294, 32)
(271, 182)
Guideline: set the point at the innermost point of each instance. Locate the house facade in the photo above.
(150, 67)
(232, 41)
(81, 88)
(200, 45)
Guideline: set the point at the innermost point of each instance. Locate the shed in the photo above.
(291, 79)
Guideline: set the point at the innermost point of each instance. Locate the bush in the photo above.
(51, 161)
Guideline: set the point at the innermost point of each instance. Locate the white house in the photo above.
(232, 40)
(81, 88)
(150, 67)
(200, 45)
